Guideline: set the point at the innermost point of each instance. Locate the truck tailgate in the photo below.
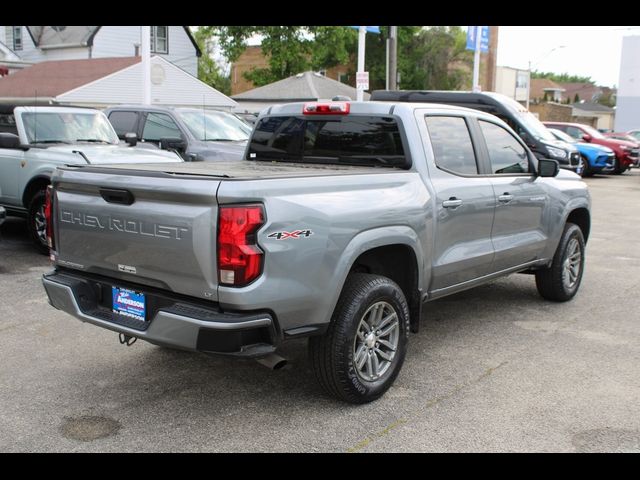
(140, 229)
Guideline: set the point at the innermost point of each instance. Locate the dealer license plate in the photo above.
(129, 303)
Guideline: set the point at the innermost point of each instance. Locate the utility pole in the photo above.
(476, 60)
(393, 58)
(146, 65)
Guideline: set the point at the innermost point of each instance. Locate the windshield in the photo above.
(68, 127)
(215, 126)
(535, 126)
(560, 135)
(592, 131)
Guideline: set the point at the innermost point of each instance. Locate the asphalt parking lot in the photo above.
(493, 369)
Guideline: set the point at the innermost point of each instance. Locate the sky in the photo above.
(593, 51)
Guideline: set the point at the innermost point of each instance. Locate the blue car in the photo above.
(595, 158)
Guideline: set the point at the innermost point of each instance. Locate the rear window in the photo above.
(349, 140)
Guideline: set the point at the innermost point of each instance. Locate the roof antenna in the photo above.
(204, 120)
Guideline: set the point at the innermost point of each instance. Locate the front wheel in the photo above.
(560, 282)
(362, 352)
(37, 223)
(587, 170)
(618, 168)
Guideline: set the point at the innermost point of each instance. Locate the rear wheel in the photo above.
(560, 282)
(361, 354)
(36, 222)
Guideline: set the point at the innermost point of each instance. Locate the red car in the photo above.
(627, 153)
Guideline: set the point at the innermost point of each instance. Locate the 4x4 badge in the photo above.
(294, 234)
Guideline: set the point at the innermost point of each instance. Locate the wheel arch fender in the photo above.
(37, 182)
(384, 240)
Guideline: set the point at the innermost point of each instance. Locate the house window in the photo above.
(160, 39)
(17, 38)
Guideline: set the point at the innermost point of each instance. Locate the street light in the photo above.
(538, 61)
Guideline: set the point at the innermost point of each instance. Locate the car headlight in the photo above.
(557, 153)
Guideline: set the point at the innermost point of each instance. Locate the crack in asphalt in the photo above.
(402, 421)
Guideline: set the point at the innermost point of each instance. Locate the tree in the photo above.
(562, 77)
(208, 71)
(289, 49)
(428, 58)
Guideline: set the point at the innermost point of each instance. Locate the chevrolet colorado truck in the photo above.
(341, 222)
(35, 140)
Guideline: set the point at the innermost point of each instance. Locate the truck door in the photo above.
(518, 232)
(11, 163)
(465, 205)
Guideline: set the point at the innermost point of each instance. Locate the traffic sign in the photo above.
(362, 80)
(484, 38)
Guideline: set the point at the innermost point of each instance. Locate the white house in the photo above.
(103, 82)
(39, 44)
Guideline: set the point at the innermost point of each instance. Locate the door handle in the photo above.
(506, 197)
(453, 202)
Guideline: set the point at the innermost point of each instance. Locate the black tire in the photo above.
(554, 283)
(618, 169)
(587, 171)
(34, 219)
(333, 355)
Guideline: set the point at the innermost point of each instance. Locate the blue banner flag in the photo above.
(369, 29)
(484, 38)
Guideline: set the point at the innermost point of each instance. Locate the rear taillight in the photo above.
(332, 108)
(48, 216)
(239, 257)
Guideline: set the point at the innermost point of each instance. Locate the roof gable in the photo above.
(303, 86)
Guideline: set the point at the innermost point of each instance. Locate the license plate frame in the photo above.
(129, 303)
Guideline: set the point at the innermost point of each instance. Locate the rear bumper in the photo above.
(176, 323)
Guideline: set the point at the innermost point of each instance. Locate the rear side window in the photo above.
(123, 122)
(452, 147)
(351, 140)
(506, 154)
(159, 126)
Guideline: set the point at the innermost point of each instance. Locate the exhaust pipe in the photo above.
(272, 361)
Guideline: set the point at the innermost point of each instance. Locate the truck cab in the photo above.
(537, 137)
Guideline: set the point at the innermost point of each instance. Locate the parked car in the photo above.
(541, 142)
(627, 153)
(195, 134)
(623, 136)
(596, 158)
(635, 134)
(248, 117)
(340, 222)
(42, 138)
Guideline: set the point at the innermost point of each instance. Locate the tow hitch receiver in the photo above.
(127, 340)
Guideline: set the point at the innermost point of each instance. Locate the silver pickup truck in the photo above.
(35, 140)
(343, 220)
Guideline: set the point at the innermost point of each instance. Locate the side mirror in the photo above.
(548, 167)
(9, 140)
(587, 138)
(131, 138)
(171, 144)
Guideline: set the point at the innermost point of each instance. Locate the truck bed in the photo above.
(238, 170)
